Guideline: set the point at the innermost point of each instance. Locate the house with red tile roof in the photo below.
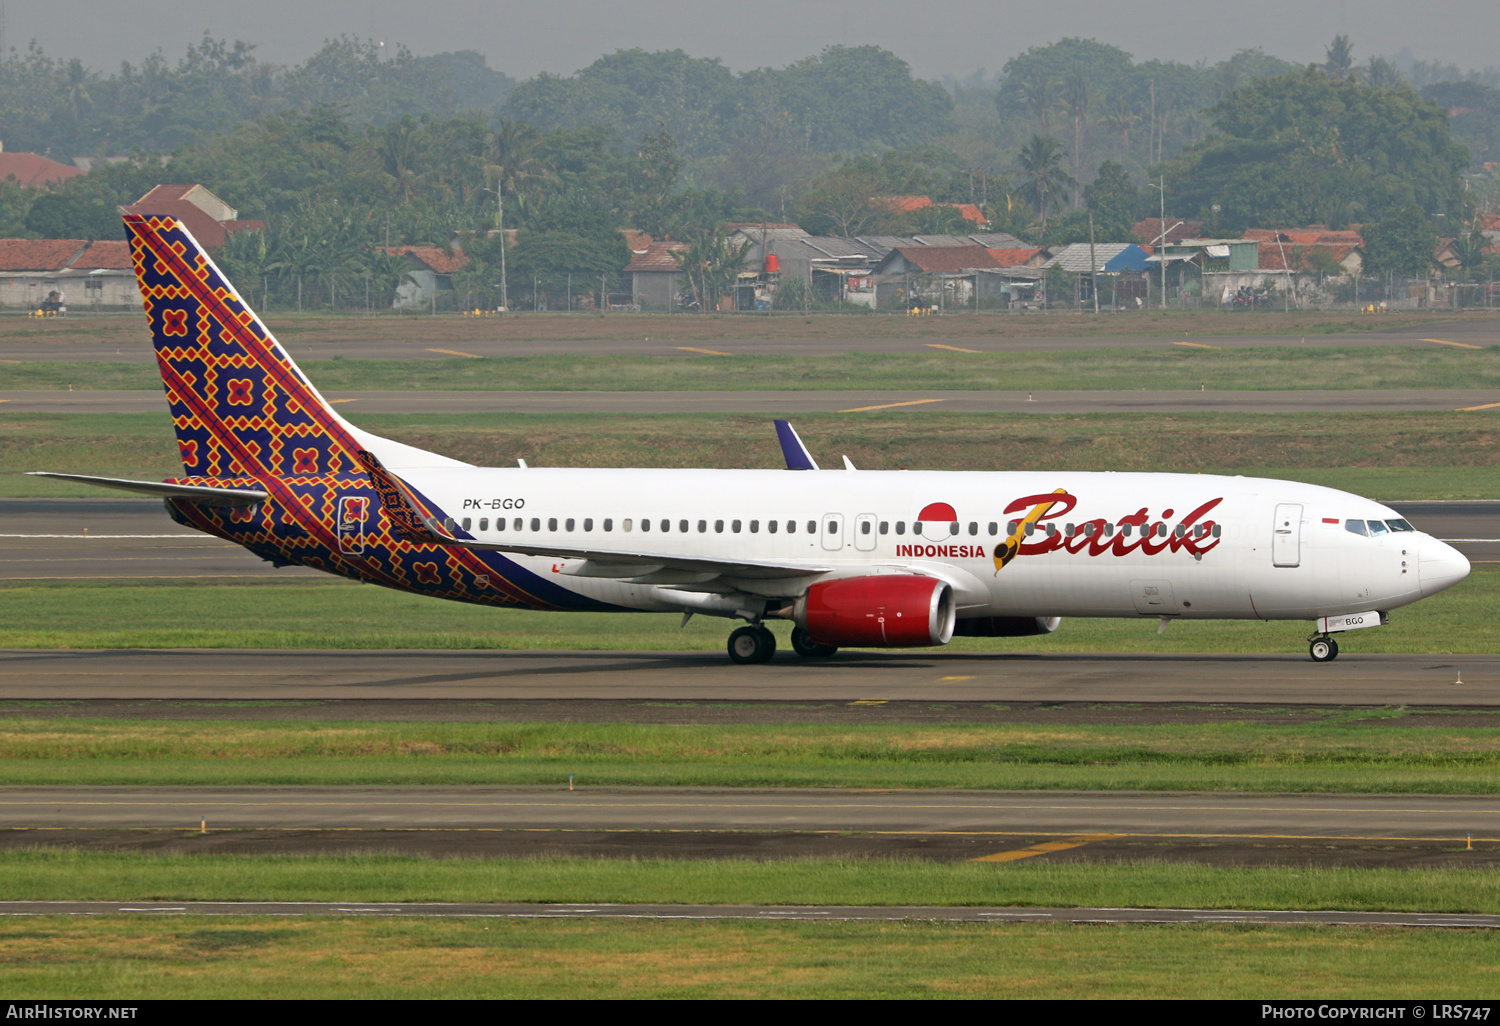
(209, 218)
(34, 170)
(655, 277)
(911, 204)
(81, 273)
(1149, 231)
(1033, 256)
(431, 270)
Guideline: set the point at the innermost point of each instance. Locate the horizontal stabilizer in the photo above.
(204, 495)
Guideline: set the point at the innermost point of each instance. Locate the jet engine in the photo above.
(882, 611)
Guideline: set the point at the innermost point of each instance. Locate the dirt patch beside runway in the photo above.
(759, 846)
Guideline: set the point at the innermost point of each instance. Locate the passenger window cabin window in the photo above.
(467, 522)
(645, 524)
(755, 527)
(973, 527)
(885, 527)
(1051, 530)
(1377, 529)
(625, 524)
(812, 527)
(484, 523)
(516, 524)
(682, 526)
(569, 524)
(536, 523)
(832, 526)
(666, 525)
(864, 527)
(916, 527)
(588, 523)
(901, 527)
(609, 524)
(771, 525)
(703, 527)
(994, 528)
(1218, 530)
(1030, 530)
(953, 527)
(1179, 530)
(791, 527)
(734, 525)
(1010, 528)
(1068, 530)
(551, 523)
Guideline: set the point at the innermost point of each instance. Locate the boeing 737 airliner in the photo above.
(881, 559)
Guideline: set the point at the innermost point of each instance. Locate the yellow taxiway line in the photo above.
(1445, 342)
(1043, 849)
(888, 406)
(455, 352)
(1195, 345)
(935, 345)
(1486, 406)
(706, 352)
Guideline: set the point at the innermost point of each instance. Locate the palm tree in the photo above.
(1119, 115)
(1043, 179)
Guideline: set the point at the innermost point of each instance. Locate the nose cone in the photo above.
(1440, 566)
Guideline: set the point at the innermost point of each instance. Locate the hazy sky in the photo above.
(936, 37)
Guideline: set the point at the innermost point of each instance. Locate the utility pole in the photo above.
(499, 191)
(1093, 264)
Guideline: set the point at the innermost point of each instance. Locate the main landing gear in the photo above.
(756, 644)
(1323, 649)
(752, 645)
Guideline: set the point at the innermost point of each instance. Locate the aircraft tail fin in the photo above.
(240, 405)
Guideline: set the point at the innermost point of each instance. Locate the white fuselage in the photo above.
(1266, 549)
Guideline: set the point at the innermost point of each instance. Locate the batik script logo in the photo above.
(1102, 536)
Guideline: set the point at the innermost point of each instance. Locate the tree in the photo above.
(711, 264)
(1113, 200)
(1340, 52)
(60, 215)
(1043, 180)
(1076, 93)
(1309, 148)
(1401, 242)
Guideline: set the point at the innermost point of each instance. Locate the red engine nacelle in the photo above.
(883, 611)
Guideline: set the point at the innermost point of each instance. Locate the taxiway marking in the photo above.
(1195, 345)
(1486, 406)
(707, 352)
(1445, 342)
(455, 352)
(956, 349)
(887, 406)
(1045, 847)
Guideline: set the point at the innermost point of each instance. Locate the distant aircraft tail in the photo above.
(240, 405)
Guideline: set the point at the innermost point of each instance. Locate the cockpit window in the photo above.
(1377, 528)
(1356, 527)
(1399, 525)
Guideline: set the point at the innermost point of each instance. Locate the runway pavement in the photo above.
(499, 337)
(762, 913)
(117, 539)
(936, 676)
(1010, 818)
(795, 402)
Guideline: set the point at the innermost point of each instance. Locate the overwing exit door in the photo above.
(1286, 536)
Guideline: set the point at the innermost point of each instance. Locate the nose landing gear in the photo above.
(1323, 649)
(752, 645)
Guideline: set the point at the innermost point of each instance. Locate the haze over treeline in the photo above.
(355, 144)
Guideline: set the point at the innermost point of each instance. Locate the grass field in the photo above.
(336, 615)
(124, 959)
(1127, 369)
(1365, 751)
(445, 330)
(81, 876)
(1384, 455)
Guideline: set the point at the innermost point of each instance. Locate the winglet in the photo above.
(797, 456)
(400, 506)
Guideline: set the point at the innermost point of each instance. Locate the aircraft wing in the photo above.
(205, 495)
(628, 564)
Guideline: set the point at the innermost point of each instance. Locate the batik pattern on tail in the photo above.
(245, 415)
